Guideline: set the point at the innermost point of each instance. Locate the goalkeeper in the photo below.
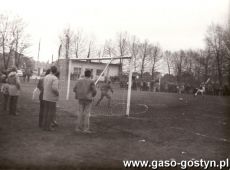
(105, 88)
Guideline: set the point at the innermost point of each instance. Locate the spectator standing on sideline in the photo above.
(14, 90)
(54, 120)
(50, 97)
(5, 91)
(24, 75)
(40, 86)
(29, 73)
(85, 91)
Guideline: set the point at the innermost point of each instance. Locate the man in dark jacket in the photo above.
(85, 91)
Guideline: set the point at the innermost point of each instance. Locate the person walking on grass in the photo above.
(50, 97)
(14, 91)
(105, 88)
(85, 91)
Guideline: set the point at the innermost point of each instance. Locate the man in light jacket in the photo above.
(85, 91)
(40, 86)
(50, 97)
(14, 91)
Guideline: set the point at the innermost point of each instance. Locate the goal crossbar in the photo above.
(104, 58)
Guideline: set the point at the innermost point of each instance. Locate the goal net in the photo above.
(120, 92)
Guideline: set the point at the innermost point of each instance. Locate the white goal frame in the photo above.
(111, 59)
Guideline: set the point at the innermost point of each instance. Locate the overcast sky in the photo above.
(174, 24)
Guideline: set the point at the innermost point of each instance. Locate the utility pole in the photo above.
(38, 57)
(229, 15)
(38, 50)
(59, 54)
(67, 55)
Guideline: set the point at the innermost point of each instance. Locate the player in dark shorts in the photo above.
(105, 88)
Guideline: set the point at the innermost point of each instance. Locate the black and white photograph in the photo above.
(114, 84)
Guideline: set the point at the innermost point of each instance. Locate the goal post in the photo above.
(129, 86)
(106, 67)
(68, 80)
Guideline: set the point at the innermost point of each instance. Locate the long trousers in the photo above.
(41, 113)
(5, 101)
(48, 114)
(13, 105)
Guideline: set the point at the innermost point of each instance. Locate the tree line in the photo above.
(188, 66)
(193, 65)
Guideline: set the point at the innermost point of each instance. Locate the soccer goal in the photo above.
(125, 94)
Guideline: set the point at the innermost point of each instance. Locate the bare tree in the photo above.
(122, 47)
(101, 54)
(203, 58)
(4, 31)
(66, 39)
(89, 53)
(155, 54)
(13, 39)
(168, 58)
(144, 53)
(20, 39)
(109, 49)
(79, 43)
(207, 57)
(190, 57)
(214, 41)
(134, 51)
(179, 60)
(226, 43)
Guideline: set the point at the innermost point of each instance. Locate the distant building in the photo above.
(78, 68)
(40, 67)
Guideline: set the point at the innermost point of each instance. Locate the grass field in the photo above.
(160, 126)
